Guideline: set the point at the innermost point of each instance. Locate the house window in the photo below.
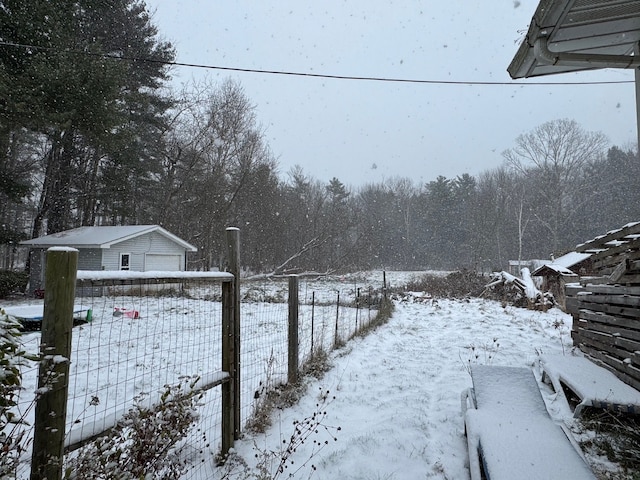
(125, 261)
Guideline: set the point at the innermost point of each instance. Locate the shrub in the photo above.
(461, 284)
(11, 282)
(12, 357)
(143, 444)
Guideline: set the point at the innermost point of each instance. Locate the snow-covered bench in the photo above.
(510, 433)
(592, 385)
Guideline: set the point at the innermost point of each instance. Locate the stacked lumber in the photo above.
(617, 254)
(607, 312)
(608, 328)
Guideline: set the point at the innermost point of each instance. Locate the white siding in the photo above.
(172, 263)
(151, 243)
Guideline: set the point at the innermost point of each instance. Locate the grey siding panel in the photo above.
(89, 259)
(153, 243)
(37, 266)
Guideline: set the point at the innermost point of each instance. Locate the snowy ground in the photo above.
(395, 395)
(390, 406)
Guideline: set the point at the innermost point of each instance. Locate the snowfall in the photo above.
(396, 394)
(390, 405)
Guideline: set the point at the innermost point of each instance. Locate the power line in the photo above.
(312, 75)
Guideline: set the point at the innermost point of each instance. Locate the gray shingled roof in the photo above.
(101, 237)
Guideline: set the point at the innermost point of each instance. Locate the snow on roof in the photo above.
(102, 237)
(555, 268)
(563, 264)
(570, 259)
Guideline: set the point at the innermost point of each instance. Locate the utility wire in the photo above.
(310, 75)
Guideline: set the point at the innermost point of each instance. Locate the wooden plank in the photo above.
(571, 305)
(612, 320)
(626, 343)
(613, 330)
(631, 376)
(630, 279)
(621, 270)
(577, 324)
(613, 289)
(599, 280)
(576, 338)
(572, 289)
(635, 359)
(624, 347)
(611, 309)
(603, 342)
(627, 243)
(629, 252)
(626, 300)
(629, 229)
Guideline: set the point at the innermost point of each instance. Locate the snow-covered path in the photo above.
(397, 391)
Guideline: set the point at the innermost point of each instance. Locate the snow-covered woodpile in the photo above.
(606, 310)
(616, 254)
(520, 291)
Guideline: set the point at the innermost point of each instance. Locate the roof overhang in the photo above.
(574, 35)
(102, 237)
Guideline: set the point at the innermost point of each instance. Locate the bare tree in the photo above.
(553, 156)
(215, 161)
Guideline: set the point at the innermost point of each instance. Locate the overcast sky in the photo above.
(368, 131)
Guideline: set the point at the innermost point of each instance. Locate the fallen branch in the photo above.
(523, 288)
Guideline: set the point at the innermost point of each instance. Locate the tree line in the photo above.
(91, 134)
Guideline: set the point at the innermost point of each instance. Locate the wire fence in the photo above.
(134, 344)
(331, 311)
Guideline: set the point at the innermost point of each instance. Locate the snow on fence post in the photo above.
(292, 375)
(233, 249)
(53, 371)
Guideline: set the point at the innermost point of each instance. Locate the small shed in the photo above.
(562, 270)
(131, 247)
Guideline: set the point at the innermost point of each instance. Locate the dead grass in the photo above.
(285, 395)
(616, 437)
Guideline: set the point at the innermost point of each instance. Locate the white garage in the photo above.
(162, 262)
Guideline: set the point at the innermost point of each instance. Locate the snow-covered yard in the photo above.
(395, 395)
(389, 408)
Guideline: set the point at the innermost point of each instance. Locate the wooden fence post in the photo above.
(384, 285)
(313, 309)
(228, 407)
(357, 309)
(292, 376)
(53, 372)
(233, 247)
(337, 338)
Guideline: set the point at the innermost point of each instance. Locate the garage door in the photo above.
(164, 263)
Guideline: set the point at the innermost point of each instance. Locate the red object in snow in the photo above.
(131, 313)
